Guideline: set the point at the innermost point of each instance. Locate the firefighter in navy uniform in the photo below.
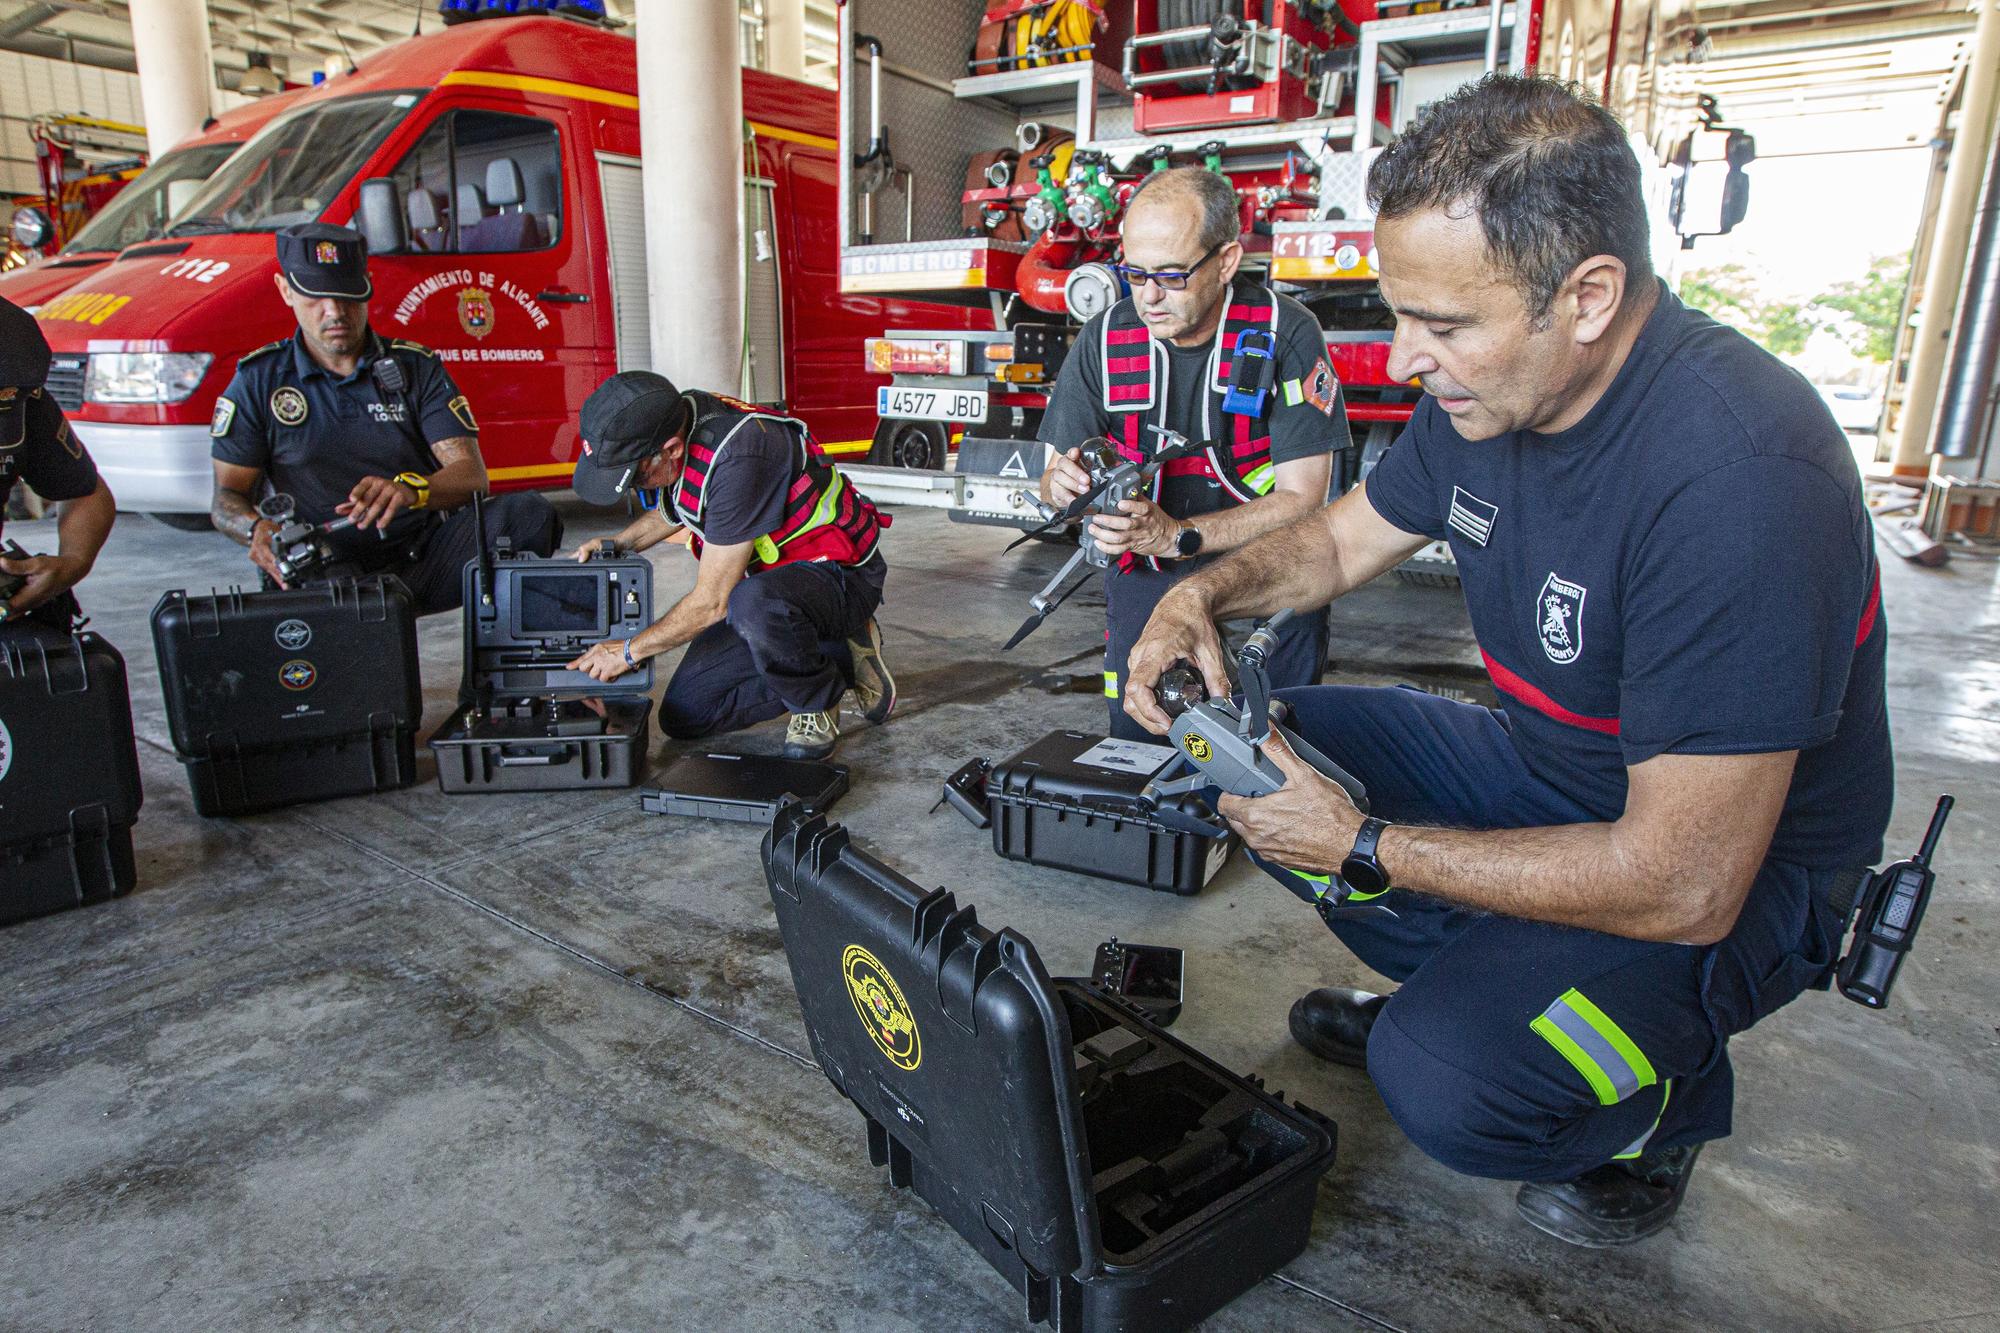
(353, 426)
(1170, 355)
(38, 447)
(1669, 566)
(782, 615)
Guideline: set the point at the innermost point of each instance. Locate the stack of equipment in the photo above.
(1072, 801)
(69, 773)
(528, 722)
(302, 694)
(1116, 1177)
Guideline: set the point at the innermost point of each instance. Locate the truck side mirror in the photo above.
(379, 219)
(32, 228)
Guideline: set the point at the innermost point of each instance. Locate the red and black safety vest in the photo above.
(1136, 371)
(825, 517)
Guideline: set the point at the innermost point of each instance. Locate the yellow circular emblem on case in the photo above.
(883, 1010)
(1197, 748)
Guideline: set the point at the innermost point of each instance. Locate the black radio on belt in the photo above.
(1892, 906)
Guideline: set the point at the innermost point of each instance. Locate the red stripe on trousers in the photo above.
(1510, 683)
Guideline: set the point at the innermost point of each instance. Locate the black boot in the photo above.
(1614, 1204)
(1333, 1023)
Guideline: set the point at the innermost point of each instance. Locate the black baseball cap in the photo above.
(624, 422)
(24, 365)
(323, 260)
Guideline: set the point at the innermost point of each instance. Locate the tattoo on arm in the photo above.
(233, 513)
(454, 450)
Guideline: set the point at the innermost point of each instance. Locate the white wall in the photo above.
(32, 85)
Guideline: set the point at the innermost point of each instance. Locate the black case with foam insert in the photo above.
(1116, 1177)
(527, 722)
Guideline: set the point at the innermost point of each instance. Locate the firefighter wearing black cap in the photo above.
(782, 615)
(38, 447)
(353, 426)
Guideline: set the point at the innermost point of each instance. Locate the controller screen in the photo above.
(560, 604)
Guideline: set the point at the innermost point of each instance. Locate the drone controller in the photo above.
(1223, 743)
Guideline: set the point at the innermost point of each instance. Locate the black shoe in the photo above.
(1615, 1204)
(1333, 1023)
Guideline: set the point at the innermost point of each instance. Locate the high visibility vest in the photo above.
(1136, 373)
(825, 517)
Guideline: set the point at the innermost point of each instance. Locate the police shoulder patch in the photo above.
(68, 440)
(224, 418)
(265, 350)
(463, 411)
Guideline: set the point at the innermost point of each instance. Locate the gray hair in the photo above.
(1221, 217)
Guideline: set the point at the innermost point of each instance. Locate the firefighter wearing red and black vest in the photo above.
(1218, 360)
(782, 615)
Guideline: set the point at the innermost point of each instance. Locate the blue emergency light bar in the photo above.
(465, 11)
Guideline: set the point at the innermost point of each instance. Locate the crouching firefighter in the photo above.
(1231, 363)
(782, 615)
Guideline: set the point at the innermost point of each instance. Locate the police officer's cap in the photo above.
(623, 424)
(323, 260)
(24, 364)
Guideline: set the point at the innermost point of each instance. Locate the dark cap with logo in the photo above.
(323, 260)
(624, 423)
(24, 364)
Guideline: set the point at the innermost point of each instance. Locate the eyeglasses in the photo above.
(1170, 279)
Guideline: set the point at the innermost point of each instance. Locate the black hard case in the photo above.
(501, 751)
(264, 715)
(1049, 810)
(743, 788)
(69, 773)
(1117, 1178)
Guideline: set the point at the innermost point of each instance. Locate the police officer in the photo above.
(354, 427)
(38, 447)
(782, 615)
(1217, 360)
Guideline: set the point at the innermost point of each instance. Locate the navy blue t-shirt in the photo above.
(1690, 569)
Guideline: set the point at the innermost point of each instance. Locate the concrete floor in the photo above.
(535, 1061)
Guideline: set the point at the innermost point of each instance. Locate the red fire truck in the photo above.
(994, 144)
(512, 146)
(140, 211)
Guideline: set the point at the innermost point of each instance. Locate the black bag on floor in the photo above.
(69, 773)
(280, 697)
(1117, 1178)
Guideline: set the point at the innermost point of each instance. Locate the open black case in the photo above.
(526, 722)
(1116, 1177)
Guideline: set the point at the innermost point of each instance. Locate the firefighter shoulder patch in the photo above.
(224, 418)
(1321, 389)
(463, 411)
(288, 405)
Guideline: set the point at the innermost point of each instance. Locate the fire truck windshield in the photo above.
(140, 211)
(293, 169)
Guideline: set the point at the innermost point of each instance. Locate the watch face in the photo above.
(1364, 877)
(1188, 542)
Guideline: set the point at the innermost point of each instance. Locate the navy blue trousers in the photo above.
(1525, 1051)
(1129, 599)
(782, 648)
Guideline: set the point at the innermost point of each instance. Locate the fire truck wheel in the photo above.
(185, 522)
(912, 444)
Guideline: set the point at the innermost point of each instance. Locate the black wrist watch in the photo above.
(1187, 542)
(1363, 873)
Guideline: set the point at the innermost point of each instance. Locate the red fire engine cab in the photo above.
(141, 210)
(513, 147)
(995, 143)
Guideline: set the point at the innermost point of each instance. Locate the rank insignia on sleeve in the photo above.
(225, 416)
(463, 411)
(1322, 390)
